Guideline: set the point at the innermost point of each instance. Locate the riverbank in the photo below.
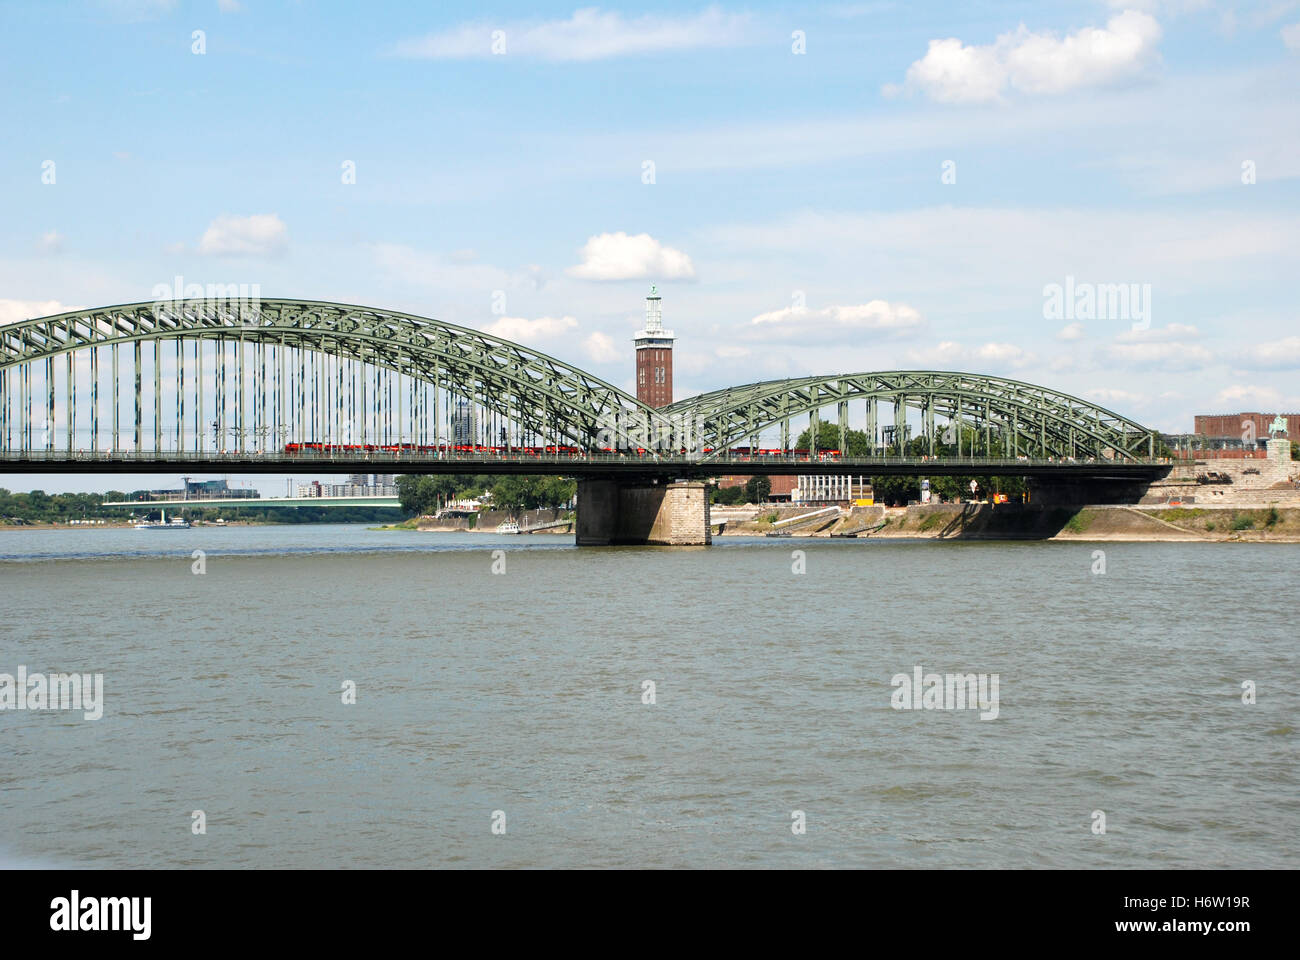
(983, 521)
(487, 521)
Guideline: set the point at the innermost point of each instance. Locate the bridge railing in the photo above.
(748, 463)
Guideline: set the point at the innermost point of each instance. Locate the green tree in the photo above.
(409, 495)
(532, 493)
(427, 494)
(515, 493)
(757, 489)
(728, 496)
(896, 490)
(556, 491)
(828, 438)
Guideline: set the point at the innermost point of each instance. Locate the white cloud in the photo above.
(1291, 37)
(1245, 396)
(951, 355)
(1165, 334)
(1115, 399)
(590, 34)
(1161, 356)
(522, 330)
(1282, 354)
(1159, 348)
(732, 352)
(617, 256)
(1071, 331)
(262, 234)
(600, 348)
(1005, 354)
(875, 315)
(230, 6)
(51, 241)
(951, 72)
(1109, 129)
(1034, 63)
(12, 311)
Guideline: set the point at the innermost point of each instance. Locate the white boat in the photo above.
(175, 523)
(507, 526)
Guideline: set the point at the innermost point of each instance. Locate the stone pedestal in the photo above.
(634, 512)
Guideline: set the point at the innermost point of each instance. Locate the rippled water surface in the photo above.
(522, 692)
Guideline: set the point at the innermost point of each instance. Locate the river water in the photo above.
(515, 699)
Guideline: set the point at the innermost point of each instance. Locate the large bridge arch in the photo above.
(1027, 418)
(548, 395)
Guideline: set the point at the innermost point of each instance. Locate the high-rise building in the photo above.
(464, 424)
(654, 356)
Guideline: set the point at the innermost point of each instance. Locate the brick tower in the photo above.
(654, 356)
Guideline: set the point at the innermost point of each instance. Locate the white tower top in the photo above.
(654, 320)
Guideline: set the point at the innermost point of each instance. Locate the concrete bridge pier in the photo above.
(642, 512)
(1080, 492)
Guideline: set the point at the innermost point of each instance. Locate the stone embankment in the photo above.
(983, 521)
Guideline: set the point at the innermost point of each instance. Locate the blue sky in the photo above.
(798, 220)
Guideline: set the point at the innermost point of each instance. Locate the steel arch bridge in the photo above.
(1024, 418)
(256, 385)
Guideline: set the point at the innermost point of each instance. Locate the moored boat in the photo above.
(175, 523)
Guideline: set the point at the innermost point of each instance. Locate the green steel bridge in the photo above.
(282, 385)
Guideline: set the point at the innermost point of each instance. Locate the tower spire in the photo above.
(654, 321)
(654, 355)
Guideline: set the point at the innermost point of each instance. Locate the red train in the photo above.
(422, 450)
(414, 449)
(757, 453)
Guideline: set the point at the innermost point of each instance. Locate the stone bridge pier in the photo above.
(643, 511)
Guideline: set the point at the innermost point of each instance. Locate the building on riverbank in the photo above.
(1231, 436)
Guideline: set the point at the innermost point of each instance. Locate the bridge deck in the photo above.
(592, 465)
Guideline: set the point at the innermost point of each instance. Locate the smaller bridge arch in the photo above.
(1010, 417)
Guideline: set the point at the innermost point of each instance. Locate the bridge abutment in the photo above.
(612, 512)
(1080, 492)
